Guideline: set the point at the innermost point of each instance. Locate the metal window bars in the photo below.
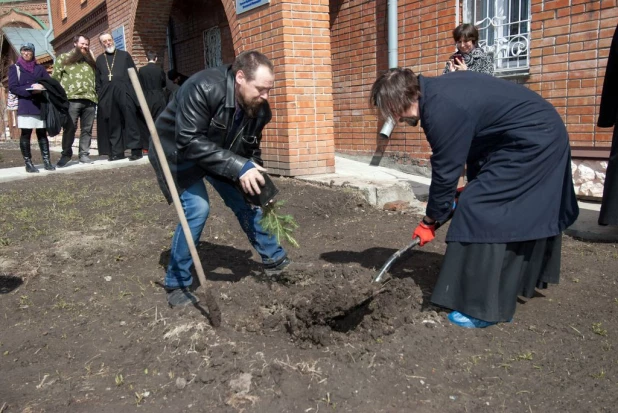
(212, 47)
(504, 31)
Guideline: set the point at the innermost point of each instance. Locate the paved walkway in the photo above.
(377, 184)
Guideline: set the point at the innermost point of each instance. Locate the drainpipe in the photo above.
(50, 31)
(456, 13)
(389, 125)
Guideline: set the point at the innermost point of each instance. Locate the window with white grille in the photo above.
(504, 31)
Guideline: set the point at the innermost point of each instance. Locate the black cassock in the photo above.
(118, 111)
(505, 236)
(153, 83)
(608, 117)
(152, 78)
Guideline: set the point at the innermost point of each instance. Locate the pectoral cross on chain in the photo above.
(110, 77)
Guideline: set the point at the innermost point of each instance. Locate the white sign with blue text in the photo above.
(118, 36)
(246, 5)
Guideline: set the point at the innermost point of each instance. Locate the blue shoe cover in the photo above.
(466, 321)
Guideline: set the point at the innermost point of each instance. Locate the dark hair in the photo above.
(394, 92)
(249, 61)
(151, 55)
(76, 38)
(466, 32)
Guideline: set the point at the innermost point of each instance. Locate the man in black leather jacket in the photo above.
(212, 129)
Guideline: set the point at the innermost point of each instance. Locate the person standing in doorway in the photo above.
(117, 117)
(75, 72)
(152, 78)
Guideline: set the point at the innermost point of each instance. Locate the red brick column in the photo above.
(295, 35)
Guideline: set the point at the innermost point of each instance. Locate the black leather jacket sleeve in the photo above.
(197, 105)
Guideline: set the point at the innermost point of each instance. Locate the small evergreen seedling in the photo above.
(279, 225)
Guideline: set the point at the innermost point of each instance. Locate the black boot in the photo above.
(44, 145)
(24, 146)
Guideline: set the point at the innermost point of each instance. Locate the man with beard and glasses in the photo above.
(212, 130)
(118, 113)
(75, 72)
(505, 236)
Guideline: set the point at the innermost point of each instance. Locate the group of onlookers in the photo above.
(91, 88)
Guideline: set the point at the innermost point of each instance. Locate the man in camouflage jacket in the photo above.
(75, 72)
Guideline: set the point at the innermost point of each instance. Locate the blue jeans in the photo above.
(196, 205)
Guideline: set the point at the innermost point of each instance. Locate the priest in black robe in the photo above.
(118, 110)
(608, 117)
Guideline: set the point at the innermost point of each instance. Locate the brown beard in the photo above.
(76, 56)
(251, 109)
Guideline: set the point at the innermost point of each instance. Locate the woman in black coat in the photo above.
(505, 236)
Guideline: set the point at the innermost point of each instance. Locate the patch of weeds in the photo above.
(24, 301)
(598, 329)
(105, 218)
(600, 375)
(5, 242)
(24, 215)
(119, 380)
(139, 398)
(524, 356)
(63, 305)
(104, 203)
(123, 294)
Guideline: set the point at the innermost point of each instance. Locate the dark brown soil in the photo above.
(84, 324)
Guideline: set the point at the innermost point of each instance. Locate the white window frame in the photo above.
(504, 31)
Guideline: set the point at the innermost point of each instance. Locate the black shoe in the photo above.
(276, 269)
(115, 158)
(180, 297)
(136, 154)
(64, 160)
(30, 166)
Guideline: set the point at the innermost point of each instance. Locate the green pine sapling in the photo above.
(278, 225)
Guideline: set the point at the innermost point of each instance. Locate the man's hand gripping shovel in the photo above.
(414, 243)
(214, 313)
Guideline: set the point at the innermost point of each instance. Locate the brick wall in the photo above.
(295, 35)
(570, 46)
(67, 13)
(569, 49)
(189, 21)
(11, 14)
